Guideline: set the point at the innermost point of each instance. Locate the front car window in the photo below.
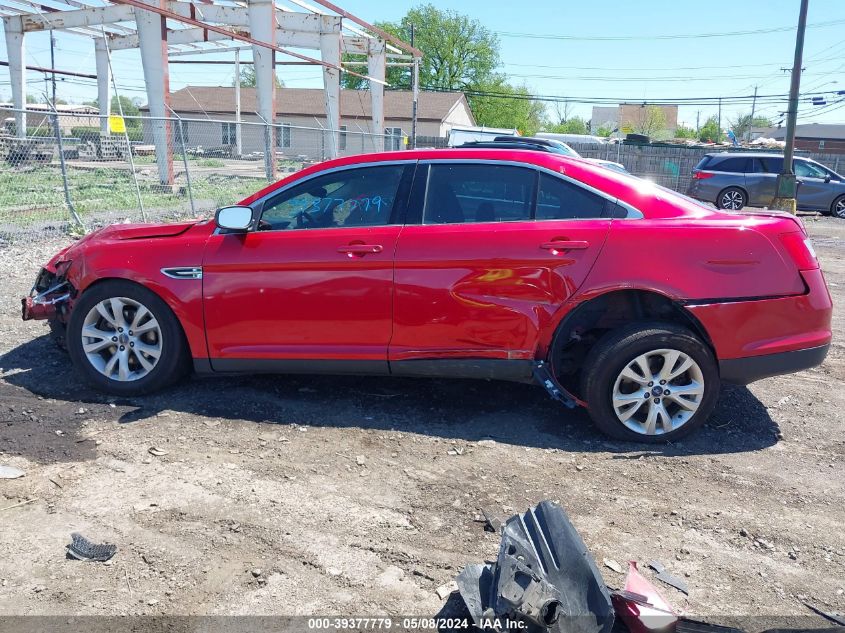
(461, 193)
(804, 169)
(363, 196)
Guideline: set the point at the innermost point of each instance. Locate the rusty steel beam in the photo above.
(54, 71)
(170, 15)
(370, 27)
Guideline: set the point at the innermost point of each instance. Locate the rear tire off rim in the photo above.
(658, 392)
(121, 339)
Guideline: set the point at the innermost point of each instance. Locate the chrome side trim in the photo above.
(183, 272)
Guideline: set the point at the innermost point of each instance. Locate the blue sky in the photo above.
(635, 66)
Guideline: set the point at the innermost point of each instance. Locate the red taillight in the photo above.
(702, 175)
(800, 249)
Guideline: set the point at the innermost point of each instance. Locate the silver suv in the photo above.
(732, 180)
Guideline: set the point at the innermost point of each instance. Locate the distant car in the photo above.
(733, 180)
(585, 139)
(544, 145)
(528, 266)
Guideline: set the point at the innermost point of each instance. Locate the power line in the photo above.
(726, 100)
(626, 38)
(649, 79)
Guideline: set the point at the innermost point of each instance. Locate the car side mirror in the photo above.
(234, 218)
(827, 178)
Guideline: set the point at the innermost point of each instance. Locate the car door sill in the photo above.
(291, 366)
(475, 368)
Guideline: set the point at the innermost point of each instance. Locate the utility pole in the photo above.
(753, 107)
(697, 121)
(415, 80)
(719, 133)
(238, 143)
(53, 64)
(786, 187)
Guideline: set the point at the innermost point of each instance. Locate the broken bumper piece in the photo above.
(47, 297)
(544, 579)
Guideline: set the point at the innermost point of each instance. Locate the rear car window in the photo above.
(771, 164)
(560, 199)
(703, 162)
(738, 165)
(478, 193)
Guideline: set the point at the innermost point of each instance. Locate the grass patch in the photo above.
(37, 194)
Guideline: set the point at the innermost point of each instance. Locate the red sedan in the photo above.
(609, 291)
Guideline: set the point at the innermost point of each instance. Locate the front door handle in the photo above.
(565, 245)
(359, 250)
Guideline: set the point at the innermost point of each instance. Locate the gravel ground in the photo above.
(360, 496)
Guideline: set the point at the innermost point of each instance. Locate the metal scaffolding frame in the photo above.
(162, 28)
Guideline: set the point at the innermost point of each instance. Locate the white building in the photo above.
(301, 114)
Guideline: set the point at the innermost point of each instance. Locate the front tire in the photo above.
(732, 199)
(125, 340)
(650, 382)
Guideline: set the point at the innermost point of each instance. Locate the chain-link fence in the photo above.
(70, 173)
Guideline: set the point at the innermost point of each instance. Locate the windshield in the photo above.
(565, 149)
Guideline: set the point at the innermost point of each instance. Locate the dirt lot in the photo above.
(359, 496)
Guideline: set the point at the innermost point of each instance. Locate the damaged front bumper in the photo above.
(49, 297)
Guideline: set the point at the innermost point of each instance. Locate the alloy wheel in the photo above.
(658, 392)
(121, 339)
(732, 200)
(839, 209)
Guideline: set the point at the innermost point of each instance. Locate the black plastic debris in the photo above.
(491, 521)
(81, 548)
(669, 579)
(833, 617)
(544, 579)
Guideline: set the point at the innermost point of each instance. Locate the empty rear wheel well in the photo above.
(591, 320)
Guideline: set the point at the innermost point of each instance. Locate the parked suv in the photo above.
(604, 289)
(732, 180)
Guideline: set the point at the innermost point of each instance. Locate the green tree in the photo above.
(460, 54)
(130, 109)
(743, 123)
(604, 130)
(397, 77)
(649, 120)
(514, 109)
(710, 131)
(458, 51)
(573, 125)
(683, 131)
(248, 77)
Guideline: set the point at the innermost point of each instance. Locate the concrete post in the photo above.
(262, 26)
(152, 38)
(330, 45)
(376, 64)
(15, 51)
(101, 57)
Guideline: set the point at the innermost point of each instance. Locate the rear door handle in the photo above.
(360, 249)
(565, 245)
